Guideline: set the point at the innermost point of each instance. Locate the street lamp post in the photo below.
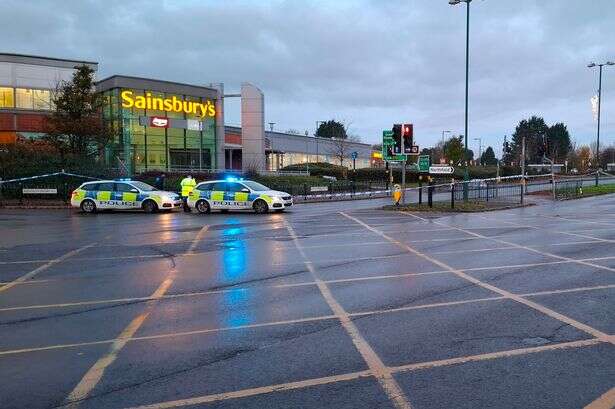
(480, 150)
(466, 175)
(316, 136)
(443, 132)
(593, 65)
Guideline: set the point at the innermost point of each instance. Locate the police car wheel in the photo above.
(202, 206)
(260, 206)
(149, 206)
(88, 206)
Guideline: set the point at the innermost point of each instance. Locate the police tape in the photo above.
(46, 176)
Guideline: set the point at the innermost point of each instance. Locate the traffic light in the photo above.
(408, 134)
(397, 139)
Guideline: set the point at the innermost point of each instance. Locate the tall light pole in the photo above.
(315, 134)
(443, 132)
(593, 65)
(480, 149)
(466, 175)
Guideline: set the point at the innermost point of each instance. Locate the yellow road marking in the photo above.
(373, 361)
(356, 375)
(44, 267)
(606, 401)
(257, 391)
(96, 372)
(296, 321)
(547, 311)
(495, 355)
(197, 239)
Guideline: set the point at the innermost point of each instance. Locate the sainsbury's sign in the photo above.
(173, 104)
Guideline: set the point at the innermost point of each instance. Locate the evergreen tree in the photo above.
(488, 157)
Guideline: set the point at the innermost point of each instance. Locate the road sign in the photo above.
(39, 191)
(441, 170)
(354, 155)
(423, 163)
(412, 150)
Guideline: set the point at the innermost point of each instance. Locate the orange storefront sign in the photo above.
(8, 137)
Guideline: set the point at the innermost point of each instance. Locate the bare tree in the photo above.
(341, 149)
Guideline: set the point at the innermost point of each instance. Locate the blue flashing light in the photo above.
(231, 179)
(123, 180)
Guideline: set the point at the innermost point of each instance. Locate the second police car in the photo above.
(122, 195)
(237, 194)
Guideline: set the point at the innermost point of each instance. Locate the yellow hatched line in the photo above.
(371, 358)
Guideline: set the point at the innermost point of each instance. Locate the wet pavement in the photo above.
(332, 305)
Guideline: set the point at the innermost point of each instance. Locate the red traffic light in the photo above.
(407, 130)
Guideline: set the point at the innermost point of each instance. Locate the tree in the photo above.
(453, 150)
(607, 155)
(488, 157)
(332, 129)
(341, 149)
(76, 126)
(558, 142)
(507, 152)
(584, 154)
(534, 130)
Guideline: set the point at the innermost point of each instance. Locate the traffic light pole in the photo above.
(403, 169)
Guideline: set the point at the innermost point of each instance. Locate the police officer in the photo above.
(187, 185)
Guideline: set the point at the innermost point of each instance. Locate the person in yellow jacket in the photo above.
(187, 184)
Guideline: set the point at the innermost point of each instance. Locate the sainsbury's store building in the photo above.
(161, 125)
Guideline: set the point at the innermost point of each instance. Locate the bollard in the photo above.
(420, 190)
(430, 194)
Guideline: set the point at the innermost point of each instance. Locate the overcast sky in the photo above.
(367, 63)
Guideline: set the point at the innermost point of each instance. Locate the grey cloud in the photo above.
(371, 63)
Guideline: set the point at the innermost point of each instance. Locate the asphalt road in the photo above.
(335, 305)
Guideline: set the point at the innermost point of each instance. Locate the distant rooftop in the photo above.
(46, 61)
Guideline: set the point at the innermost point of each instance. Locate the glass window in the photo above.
(255, 186)
(24, 98)
(105, 187)
(6, 98)
(143, 186)
(41, 99)
(219, 186)
(91, 186)
(235, 187)
(123, 187)
(205, 186)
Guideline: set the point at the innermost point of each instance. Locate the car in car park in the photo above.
(123, 194)
(237, 194)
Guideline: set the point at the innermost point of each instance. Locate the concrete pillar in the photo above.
(252, 127)
(219, 104)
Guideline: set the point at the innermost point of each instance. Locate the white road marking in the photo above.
(44, 267)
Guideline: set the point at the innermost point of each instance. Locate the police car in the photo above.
(122, 195)
(237, 194)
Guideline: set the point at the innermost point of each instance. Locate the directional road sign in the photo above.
(441, 170)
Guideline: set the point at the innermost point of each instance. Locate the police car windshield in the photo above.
(255, 186)
(143, 186)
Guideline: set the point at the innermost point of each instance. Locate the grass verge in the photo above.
(460, 207)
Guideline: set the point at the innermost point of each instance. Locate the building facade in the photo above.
(284, 149)
(160, 125)
(27, 84)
